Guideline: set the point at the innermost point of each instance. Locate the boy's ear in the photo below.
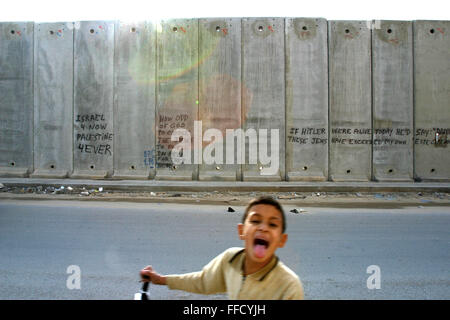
(240, 228)
(283, 240)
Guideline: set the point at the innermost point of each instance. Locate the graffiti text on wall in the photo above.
(93, 136)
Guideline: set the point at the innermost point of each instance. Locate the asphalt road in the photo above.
(330, 249)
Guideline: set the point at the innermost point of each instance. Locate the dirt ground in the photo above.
(334, 199)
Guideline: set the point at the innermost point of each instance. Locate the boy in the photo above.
(250, 273)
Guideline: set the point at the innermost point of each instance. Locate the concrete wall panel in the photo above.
(350, 101)
(134, 100)
(16, 98)
(219, 93)
(392, 101)
(264, 109)
(53, 99)
(432, 96)
(93, 99)
(306, 99)
(177, 96)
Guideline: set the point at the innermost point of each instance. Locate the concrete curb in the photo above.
(334, 202)
(234, 186)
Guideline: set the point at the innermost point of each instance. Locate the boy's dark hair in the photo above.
(269, 201)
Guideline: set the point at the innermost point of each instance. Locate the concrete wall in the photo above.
(134, 100)
(53, 100)
(350, 100)
(431, 99)
(306, 99)
(16, 99)
(392, 101)
(93, 78)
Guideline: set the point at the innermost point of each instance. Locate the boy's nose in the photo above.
(263, 226)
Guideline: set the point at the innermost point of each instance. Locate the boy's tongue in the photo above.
(259, 250)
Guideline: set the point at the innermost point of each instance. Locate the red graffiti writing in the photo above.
(394, 41)
(225, 31)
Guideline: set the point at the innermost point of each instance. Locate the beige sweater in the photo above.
(224, 274)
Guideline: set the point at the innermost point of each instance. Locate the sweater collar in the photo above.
(239, 258)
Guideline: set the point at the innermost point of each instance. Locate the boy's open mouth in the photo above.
(260, 247)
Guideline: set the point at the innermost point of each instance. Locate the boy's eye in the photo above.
(254, 221)
(273, 225)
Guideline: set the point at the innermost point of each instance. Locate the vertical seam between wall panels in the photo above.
(200, 151)
(155, 59)
(413, 36)
(73, 98)
(241, 173)
(328, 25)
(115, 107)
(32, 104)
(115, 26)
(156, 146)
(284, 177)
(372, 102)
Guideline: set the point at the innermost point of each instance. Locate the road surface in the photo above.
(330, 249)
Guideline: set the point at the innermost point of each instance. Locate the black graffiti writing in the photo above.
(102, 126)
(392, 132)
(307, 131)
(95, 124)
(431, 142)
(307, 135)
(298, 139)
(338, 140)
(103, 149)
(389, 142)
(94, 137)
(341, 131)
(431, 131)
(93, 117)
(318, 141)
(168, 123)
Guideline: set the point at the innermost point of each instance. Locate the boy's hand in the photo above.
(149, 275)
